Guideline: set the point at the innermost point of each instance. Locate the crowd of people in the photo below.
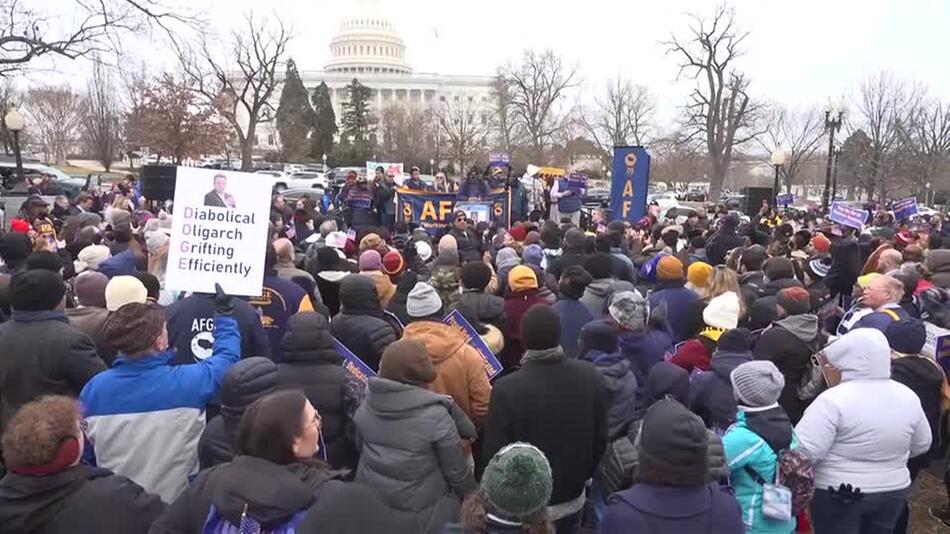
(705, 373)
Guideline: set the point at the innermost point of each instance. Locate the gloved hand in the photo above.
(846, 494)
(222, 302)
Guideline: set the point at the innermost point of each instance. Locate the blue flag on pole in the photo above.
(629, 182)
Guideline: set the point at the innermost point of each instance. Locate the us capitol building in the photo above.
(369, 49)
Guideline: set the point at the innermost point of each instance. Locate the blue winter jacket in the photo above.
(574, 315)
(683, 510)
(678, 301)
(752, 443)
(144, 416)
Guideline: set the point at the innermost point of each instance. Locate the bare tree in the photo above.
(720, 111)
(928, 145)
(101, 122)
(8, 97)
(536, 87)
(505, 122)
(244, 83)
(405, 133)
(55, 116)
(465, 127)
(27, 34)
(623, 115)
(676, 161)
(797, 132)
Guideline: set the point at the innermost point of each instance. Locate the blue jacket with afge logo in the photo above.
(191, 329)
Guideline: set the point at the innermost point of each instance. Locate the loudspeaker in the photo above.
(158, 182)
(754, 197)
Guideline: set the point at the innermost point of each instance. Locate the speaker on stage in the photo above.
(754, 197)
(158, 182)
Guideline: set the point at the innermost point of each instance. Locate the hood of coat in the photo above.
(772, 287)
(665, 379)
(30, 502)
(440, 339)
(600, 288)
(394, 400)
(752, 277)
(358, 293)
(272, 493)
(666, 501)
(938, 261)
(245, 382)
(772, 425)
(724, 362)
(804, 326)
(612, 365)
(861, 354)
(307, 338)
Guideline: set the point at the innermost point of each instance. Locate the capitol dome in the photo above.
(367, 44)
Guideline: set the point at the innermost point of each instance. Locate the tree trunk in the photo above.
(716, 179)
(247, 147)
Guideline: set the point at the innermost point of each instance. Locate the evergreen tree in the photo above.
(295, 117)
(321, 140)
(356, 117)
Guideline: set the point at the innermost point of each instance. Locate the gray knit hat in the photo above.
(517, 483)
(423, 301)
(757, 383)
(629, 309)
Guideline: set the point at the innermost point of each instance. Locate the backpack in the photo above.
(215, 523)
(795, 472)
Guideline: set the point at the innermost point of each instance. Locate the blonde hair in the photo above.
(723, 280)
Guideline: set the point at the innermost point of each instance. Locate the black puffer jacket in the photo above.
(362, 326)
(245, 382)
(762, 311)
(488, 308)
(312, 364)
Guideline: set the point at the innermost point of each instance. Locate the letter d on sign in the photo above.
(189, 213)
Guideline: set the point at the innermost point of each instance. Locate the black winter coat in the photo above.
(42, 354)
(362, 326)
(789, 344)
(711, 396)
(312, 364)
(762, 311)
(721, 243)
(80, 500)
(469, 246)
(924, 378)
(489, 309)
(558, 405)
(845, 266)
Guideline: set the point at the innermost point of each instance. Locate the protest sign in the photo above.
(937, 344)
(475, 211)
(219, 231)
(785, 199)
(577, 182)
(492, 365)
(353, 365)
(847, 215)
(388, 168)
(550, 172)
(630, 180)
(905, 209)
(498, 160)
(433, 211)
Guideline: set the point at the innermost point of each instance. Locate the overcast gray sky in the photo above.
(799, 53)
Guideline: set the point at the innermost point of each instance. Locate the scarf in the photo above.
(712, 333)
(538, 355)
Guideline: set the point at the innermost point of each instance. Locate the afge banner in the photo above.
(219, 231)
(630, 181)
(434, 211)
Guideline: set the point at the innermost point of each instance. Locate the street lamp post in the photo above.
(324, 162)
(834, 176)
(431, 166)
(779, 158)
(833, 118)
(14, 123)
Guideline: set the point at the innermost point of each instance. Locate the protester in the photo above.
(721, 314)
(672, 493)
(598, 345)
(467, 242)
(122, 290)
(711, 394)
(488, 308)
(90, 314)
(672, 293)
(762, 431)
(573, 253)
(146, 404)
(371, 265)
(860, 449)
(523, 294)
(724, 240)
(603, 283)
(329, 269)
(47, 489)
(554, 393)
(362, 326)
(40, 352)
(514, 493)
(573, 313)
(883, 295)
(286, 269)
(411, 439)
(780, 273)
(191, 322)
(642, 341)
(280, 299)
(245, 382)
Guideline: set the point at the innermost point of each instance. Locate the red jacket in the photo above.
(693, 354)
(516, 304)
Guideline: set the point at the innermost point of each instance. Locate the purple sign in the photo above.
(848, 216)
(904, 209)
(498, 159)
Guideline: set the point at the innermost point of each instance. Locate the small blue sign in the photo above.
(492, 365)
(905, 209)
(355, 367)
(785, 199)
(847, 215)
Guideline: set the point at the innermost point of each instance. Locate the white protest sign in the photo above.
(219, 231)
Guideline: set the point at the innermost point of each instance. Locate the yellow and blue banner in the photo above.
(434, 211)
(630, 181)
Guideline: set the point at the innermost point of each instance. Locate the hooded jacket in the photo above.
(244, 383)
(313, 365)
(362, 326)
(644, 349)
(762, 311)
(789, 343)
(621, 390)
(595, 296)
(683, 510)
(460, 369)
(711, 395)
(722, 242)
(574, 315)
(516, 305)
(144, 416)
(622, 457)
(274, 494)
(678, 301)
(280, 299)
(845, 266)
(411, 455)
(926, 379)
(867, 443)
(938, 263)
(489, 309)
(80, 499)
(752, 443)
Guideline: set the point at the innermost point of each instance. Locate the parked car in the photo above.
(291, 196)
(306, 179)
(663, 200)
(337, 176)
(597, 197)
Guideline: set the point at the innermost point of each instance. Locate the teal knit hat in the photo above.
(517, 484)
